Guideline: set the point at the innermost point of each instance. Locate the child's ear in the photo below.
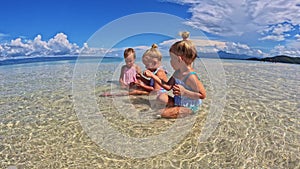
(180, 59)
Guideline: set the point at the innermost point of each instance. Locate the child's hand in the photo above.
(123, 86)
(148, 73)
(138, 76)
(178, 90)
(132, 84)
(138, 84)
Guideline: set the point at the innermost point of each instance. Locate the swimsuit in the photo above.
(129, 75)
(161, 90)
(184, 101)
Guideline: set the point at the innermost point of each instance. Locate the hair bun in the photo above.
(154, 46)
(185, 35)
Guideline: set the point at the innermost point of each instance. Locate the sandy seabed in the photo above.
(257, 124)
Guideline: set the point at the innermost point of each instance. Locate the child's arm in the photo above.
(196, 85)
(138, 69)
(166, 85)
(122, 84)
(145, 87)
(161, 74)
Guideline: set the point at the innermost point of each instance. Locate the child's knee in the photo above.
(163, 98)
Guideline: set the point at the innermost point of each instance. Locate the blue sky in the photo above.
(61, 27)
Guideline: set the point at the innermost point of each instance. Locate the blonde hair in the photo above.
(128, 51)
(153, 52)
(184, 35)
(185, 49)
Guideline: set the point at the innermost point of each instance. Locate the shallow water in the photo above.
(41, 126)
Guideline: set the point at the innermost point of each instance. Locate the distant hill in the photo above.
(226, 55)
(280, 58)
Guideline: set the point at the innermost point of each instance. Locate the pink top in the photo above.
(129, 75)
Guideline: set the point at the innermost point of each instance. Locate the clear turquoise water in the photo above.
(40, 127)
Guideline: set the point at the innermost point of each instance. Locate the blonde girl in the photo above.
(187, 88)
(152, 60)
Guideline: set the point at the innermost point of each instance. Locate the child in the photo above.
(130, 70)
(152, 61)
(138, 85)
(187, 88)
(128, 77)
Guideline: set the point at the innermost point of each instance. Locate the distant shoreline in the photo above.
(275, 59)
(279, 59)
(13, 61)
(51, 58)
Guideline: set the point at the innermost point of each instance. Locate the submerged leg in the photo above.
(138, 92)
(175, 112)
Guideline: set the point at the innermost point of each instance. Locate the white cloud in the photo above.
(114, 52)
(282, 28)
(85, 50)
(277, 32)
(88, 51)
(140, 50)
(239, 48)
(291, 49)
(273, 37)
(295, 44)
(205, 46)
(297, 37)
(59, 45)
(212, 46)
(274, 12)
(17, 48)
(38, 47)
(168, 43)
(228, 17)
(212, 17)
(1, 49)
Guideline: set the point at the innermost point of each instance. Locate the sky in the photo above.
(260, 28)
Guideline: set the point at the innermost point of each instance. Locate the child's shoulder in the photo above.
(137, 68)
(161, 71)
(123, 67)
(192, 75)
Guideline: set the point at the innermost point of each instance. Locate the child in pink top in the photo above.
(130, 70)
